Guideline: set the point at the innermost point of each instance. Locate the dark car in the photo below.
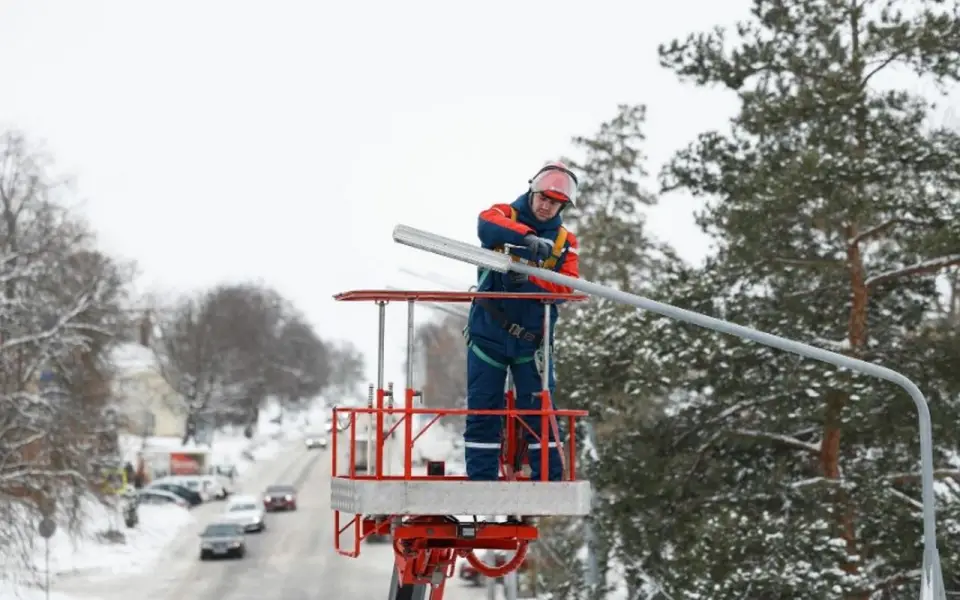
(280, 497)
(192, 497)
(222, 539)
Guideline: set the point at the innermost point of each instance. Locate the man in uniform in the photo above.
(508, 333)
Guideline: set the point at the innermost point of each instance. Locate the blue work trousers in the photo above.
(486, 381)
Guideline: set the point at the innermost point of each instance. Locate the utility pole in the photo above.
(589, 534)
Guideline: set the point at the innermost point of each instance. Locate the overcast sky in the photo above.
(283, 141)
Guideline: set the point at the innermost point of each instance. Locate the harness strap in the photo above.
(498, 315)
(513, 329)
(558, 245)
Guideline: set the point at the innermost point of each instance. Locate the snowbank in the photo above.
(89, 555)
(12, 591)
(158, 526)
(88, 552)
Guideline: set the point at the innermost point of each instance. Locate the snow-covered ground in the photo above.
(87, 554)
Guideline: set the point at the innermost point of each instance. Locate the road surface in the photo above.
(293, 559)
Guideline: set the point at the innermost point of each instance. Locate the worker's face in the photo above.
(545, 208)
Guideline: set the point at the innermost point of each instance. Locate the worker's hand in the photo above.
(539, 248)
(517, 279)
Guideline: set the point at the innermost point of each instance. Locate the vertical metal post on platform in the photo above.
(408, 396)
(545, 400)
(593, 570)
(373, 433)
(545, 373)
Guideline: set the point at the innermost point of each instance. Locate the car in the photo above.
(222, 539)
(315, 441)
(246, 512)
(156, 496)
(209, 487)
(216, 485)
(186, 493)
(280, 497)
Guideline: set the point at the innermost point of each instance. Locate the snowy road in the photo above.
(293, 559)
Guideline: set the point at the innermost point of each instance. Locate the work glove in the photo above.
(539, 248)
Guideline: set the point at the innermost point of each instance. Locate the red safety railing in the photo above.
(513, 441)
(427, 545)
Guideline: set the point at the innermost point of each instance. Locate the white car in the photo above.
(247, 512)
(218, 488)
(315, 440)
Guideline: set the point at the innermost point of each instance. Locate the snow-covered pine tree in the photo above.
(834, 204)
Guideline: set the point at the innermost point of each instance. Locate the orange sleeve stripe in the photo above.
(499, 214)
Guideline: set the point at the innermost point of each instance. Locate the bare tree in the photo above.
(347, 370)
(440, 355)
(300, 366)
(192, 355)
(59, 313)
(227, 349)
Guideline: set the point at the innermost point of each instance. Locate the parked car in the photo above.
(156, 496)
(280, 497)
(184, 492)
(208, 486)
(222, 539)
(246, 512)
(219, 487)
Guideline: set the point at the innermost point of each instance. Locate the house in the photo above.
(146, 404)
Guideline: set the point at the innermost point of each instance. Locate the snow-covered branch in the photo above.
(953, 474)
(779, 438)
(877, 230)
(926, 267)
(59, 313)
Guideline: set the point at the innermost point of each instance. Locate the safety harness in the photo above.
(514, 329)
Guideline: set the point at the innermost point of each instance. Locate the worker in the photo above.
(507, 334)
